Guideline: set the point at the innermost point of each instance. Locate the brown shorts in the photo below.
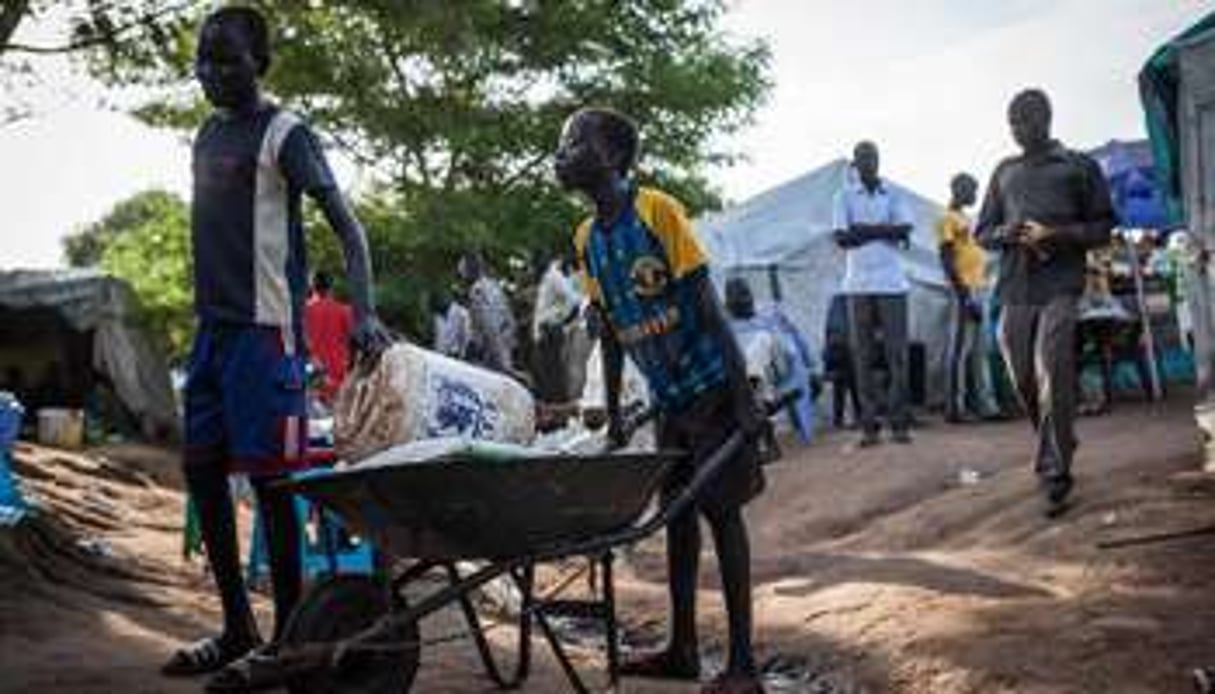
(700, 430)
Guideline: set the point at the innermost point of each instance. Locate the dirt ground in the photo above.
(922, 568)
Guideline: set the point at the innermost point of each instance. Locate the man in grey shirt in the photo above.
(1045, 208)
(493, 323)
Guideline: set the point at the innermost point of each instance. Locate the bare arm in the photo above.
(857, 235)
(613, 369)
(303, 164)
(369, 334)
(892, 233)
(951, 269)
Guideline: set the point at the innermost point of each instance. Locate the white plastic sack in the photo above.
(633, 388)
(634, 397)
(414, 394)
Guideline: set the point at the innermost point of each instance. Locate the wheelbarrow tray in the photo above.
(461, 507)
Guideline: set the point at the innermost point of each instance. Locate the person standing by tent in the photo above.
(493, 322)
(245, 396)
(969, 390)
(838, 364)
(451, 324)
(871, 222)
(328, 323)
(1045, 209)
(776, 354)
(557, 306)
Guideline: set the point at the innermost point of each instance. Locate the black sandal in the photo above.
(258, 670)
(204, 656)
(1204, 680)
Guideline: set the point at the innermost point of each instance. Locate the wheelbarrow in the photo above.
(360, 634)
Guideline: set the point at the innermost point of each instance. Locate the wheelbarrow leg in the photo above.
(600, 609)
(524, 579)
(558, 650)
(610, 627)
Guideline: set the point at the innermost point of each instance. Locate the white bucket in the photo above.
(60, 427)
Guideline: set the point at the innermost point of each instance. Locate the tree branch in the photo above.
(523, 171)
(8, 118)
(11, 15)
(80, 44)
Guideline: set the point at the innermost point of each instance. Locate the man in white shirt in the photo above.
(872, 224)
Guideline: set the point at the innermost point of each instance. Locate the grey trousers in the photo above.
(884, 316)
(969, 386)
(1038, 343)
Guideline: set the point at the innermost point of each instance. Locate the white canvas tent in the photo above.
(780, 242)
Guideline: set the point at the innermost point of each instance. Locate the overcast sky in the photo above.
(928, 80)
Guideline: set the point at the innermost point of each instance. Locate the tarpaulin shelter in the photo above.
(1138, 194)
(1177, 87)
(78, 329)
(1160, 86)
(781, 242)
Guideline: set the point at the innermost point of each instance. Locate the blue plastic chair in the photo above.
(327, 548)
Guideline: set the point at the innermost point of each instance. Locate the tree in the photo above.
(86, 247)
(457, 106)
(145, 240)
(76, 27)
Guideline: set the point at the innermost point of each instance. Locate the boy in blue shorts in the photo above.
(647, 275)
(245, 389)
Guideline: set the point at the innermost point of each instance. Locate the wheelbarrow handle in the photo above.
(684, 500)
(707, 470)
(650, 413)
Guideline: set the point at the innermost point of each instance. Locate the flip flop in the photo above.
(1204, 680)
(258, 670)
(660, 666)
(733, 683)
(204, 656)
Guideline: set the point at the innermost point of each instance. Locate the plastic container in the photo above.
(11, 412)
(61, 427)
(12, 504)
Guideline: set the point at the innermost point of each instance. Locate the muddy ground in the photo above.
(922, 568)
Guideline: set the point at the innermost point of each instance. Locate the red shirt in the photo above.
(328, 324)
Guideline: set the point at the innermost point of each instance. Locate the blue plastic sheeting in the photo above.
(1139, 199)
(12, 503)
(798, 356)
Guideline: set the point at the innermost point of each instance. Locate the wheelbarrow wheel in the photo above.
(338, 608)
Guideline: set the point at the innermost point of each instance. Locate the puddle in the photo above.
(782, 674)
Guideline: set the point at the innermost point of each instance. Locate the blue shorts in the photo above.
(246, 404)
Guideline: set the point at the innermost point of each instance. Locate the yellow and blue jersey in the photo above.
(642, 271)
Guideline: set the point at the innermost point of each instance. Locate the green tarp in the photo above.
(1159, 91)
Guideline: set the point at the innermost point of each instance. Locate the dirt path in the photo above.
(889, 569)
